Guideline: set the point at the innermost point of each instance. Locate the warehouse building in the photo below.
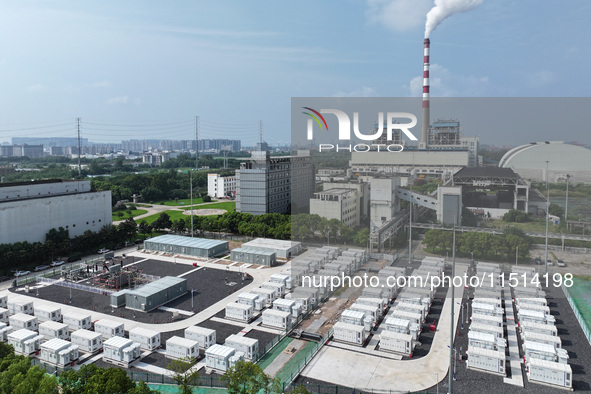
(198, 247)
(155, 294)
(257, 256)
(283, 249)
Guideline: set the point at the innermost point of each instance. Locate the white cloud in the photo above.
(541, 78)
(443, 83)
(399, 15)
(35, 88)
(364, 91)
(101, 84)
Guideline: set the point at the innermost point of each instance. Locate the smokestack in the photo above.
(425, 122)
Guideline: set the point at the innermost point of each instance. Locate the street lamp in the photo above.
(517, 255)
(192, 298)
(547, 219)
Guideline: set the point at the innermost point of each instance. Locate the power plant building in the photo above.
(28, 210)
(256, 256)
(198, 247)
(155, 294)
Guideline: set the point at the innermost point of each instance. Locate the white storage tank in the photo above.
(550, 372)
(246, 345)
(20, 306)
(486, 360)
(76, 321)
(221, 358)
(182, 348)
(486, 319)
(59, 353)
(542, 338)
(121, 351)
(21, 320)
(349, 333)
(25, 342)
(88, 341)
(257, 301)
(276, 318)
(52, 329)
(5, 329)
(240, 312)
(46, 312)
(206, 337)
(148, 339)
(547, 329)
(397, 342)
(3, 315)
(109, 328)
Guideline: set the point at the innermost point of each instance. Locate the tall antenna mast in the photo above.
(197, 142)
(78, 124)
(261, 132)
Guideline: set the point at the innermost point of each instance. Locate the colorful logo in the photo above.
(315, 118)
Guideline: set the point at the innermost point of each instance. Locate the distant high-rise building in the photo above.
(50, 141)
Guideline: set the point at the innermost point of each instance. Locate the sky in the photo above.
(146, 69)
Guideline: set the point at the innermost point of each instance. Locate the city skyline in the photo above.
(142, 70)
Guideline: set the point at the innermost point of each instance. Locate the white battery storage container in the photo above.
(148, 339)
(486, 319)
(535, 317)
(410, 307)
(276, 318)
(257, 301)
(287, 305)
(121, 351)
(59, 353)
(533, 307)
(221, 358)
(375, 292)
(349, 333)
(397, 342)
(547, 329)
(486, 360)
(487, 309)
(3, 315)
(550, 372)
(488, 300)
(488, 328)
(47, 312)
(375, 302)
(206, 337)
(25, 342)
(109, 328)
(21, 320)
(352, 317)
(88, 341)
(77, 321)
(52, 329)
(485, 340)
(20, 306)
(278, 287)
(369, 310)
(240, 312)
(3, 301)
(281, 278)
(5, 329)
(531, 300)
(414, 317)
(246, 345)
(554, 341)
(542, 351)
(269, 295)
(182, 348)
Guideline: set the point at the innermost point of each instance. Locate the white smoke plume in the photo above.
(446, 8)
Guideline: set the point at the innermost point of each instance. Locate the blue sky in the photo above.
(144, 69)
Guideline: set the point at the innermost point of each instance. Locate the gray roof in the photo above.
(497, 172)
(157, 285)
(178, 240)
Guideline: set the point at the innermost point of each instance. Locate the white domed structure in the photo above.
(529, 161)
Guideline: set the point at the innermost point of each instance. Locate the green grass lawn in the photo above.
(134, 213)
(184, 201)
(227, 205)
(176, 214)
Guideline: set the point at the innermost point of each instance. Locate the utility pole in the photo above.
(547, 218)
(261, 132)
(78, 124)
(566, 203)
(191, 182)
(452, 329)
(197, 143)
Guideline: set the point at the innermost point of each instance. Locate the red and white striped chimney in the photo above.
(425, 122)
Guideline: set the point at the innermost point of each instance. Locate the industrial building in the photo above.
(198, 247)
(340, 204)
(275, 184)
(155, 294)
(565, 161)
(28, 210)
(256, 256)
(221, 186)
(283, 249)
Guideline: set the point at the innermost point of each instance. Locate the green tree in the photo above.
(248, 378)
(142, 388)
(162, 222)
(183, 374)
(128, 229)
(145, 228)
(301, 389)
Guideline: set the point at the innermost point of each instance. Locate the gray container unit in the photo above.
(77, 321)
(552, 373)
(319, 282)
(47, 312)
(3, 301)
(296, 274)
(393, 271)
(282, 278)
(198, 247)
(148, 339)
(52, 329)
(180, 348)
(88, 341)
(313, 292)
(246, 345)
(118, 298)
(254, 256)
(155, 294)
(303, 300)
(59, 353)
(3, 315)
(526, 292)
(221, 358)
(20, 306)
(206, 337)
(121, 351)
(21, 320)
(306, 266)
(25, 342)
(481, 292)
(377, 292)
(109, 328)
(5, 329)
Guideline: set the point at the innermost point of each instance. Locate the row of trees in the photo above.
(480, 245)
